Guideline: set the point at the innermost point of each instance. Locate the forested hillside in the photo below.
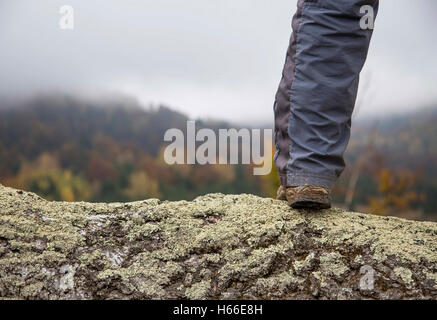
(395, 161)
(67, 148)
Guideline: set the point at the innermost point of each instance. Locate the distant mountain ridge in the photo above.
(106, 143)
(58, 146)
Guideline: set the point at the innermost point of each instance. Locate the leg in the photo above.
(317, 92)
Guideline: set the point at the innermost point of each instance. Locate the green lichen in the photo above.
(277, 285)
(142, 231)
(304, 264)
(331, 264)
(405, 274)
(199, 290)
(433, 277)
(216, 246)
(32, 290)
(322, 278)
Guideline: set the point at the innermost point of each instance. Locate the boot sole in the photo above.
(308, 204)
(311, 202)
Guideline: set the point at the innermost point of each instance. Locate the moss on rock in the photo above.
(216, 246)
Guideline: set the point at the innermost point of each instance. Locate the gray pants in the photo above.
(317, 92)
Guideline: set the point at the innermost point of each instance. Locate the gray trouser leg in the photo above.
(317, 92)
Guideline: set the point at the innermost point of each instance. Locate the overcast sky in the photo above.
(213, 58)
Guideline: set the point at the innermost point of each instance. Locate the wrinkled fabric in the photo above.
(316, 96)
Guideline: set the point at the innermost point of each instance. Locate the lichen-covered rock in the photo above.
(215, 247)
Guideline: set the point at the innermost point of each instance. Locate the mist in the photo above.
(209, 59)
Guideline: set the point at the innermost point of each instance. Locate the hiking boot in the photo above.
(311, 197)
(281, 194)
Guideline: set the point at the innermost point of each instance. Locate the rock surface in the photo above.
(215, 247)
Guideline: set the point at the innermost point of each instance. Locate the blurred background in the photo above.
(83, 112)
